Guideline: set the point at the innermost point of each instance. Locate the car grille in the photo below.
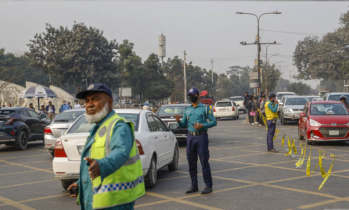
(342, 131)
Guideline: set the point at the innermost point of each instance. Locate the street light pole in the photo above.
(258, 42)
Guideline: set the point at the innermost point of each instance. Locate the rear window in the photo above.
(336, 97)
(223, 104)
(7, 113)
(280, 95)
(82, 126)
(296, 101)
(236, 98)
(69, 116)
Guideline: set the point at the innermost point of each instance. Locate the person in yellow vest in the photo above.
(111, 175)
(271, 107)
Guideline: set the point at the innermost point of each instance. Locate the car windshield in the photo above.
(69, 116)
(296, 101)
(81, 125)
(223, 104)
(7, 113)
(280, 95)
(328, 109)
(239, 98)
(336, 97)
(171, 111)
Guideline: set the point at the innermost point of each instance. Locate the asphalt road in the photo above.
(245, 176)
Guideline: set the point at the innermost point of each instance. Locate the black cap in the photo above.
(272, 95)
(193, 91)
(97, 87)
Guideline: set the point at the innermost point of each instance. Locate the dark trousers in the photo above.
(261, 119)
(198, 146)
(271, 132)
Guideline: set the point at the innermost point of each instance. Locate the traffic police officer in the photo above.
(271, 107)
(344, 100)
(195, 120)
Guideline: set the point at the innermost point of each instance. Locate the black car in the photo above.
(167, 115)
(18, 125)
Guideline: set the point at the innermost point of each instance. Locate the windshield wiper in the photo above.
(62, 120)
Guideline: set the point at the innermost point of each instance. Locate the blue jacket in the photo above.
(64, 107)
(53, 108)
(198, 115)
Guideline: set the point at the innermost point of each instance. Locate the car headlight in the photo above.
(347, 124)
(314, 123)
(287, 110)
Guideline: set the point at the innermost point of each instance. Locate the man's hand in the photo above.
(276, 101)
(178, 117)
(94, 168)
(70, 187)
(198, 126)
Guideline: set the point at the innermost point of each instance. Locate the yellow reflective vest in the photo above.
(268, 113)
(124, 185)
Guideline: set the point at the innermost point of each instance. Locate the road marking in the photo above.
(15, 204)
(22, 157)
(16, 185)
(21, 172)
(320, 203)
(248, 155)
(31, 167)
(42, 198)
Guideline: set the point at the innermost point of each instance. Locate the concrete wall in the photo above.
(9, 95)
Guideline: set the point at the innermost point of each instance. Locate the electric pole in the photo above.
(185, 79)
(212, 74)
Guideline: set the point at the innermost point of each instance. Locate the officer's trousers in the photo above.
(271, 133)
(198, 146)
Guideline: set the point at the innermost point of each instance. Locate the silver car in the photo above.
(292, 107)
(59, 125)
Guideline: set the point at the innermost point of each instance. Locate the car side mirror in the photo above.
(173, 126)
(302, 114)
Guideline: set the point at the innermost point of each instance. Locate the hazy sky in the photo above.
(206, 30)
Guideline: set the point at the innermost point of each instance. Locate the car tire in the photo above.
(284, 122)
(66, 184)
(174, 165)
(150, 178)
(300, 137)
(22, 141)
(52, 152)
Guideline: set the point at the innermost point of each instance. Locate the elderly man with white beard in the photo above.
(111, 175)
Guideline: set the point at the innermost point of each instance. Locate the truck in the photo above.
(206, 99)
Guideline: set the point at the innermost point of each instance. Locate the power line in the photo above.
(288, 32)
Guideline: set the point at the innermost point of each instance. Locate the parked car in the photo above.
(279, 95)
(324, 121)
(19, 125)
(60, 125)
(293, 106)
(334, 96)
(239, 101)
(167, 115)
(156, 144)
(225, 109)
(312, 97)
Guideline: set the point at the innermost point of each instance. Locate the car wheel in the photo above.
(238, 116)
(174, 165)
(52, 152)
(300, 137)
(284, 122)
(66, 184)
(150, 178)
(22, 141)
(306, 141)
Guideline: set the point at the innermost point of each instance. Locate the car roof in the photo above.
(168, 105)
(130, 111)
(326, 102)
(15, 108)
(296, 96)
(337, 93)
(73, 110)
(223, 101)
(284, 92)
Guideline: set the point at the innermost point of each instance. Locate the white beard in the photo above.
(96, 118)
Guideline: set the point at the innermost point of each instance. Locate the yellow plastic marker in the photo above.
(323, 173)
(289, 147)
(282, 141)
(308, 164)
(294, 147)
(328, 173)
(305, 152)
(300, 159)
(276, 134)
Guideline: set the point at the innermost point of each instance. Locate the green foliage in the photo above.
(333, 85)
(272, 75)
(299, 88)
(282, 85)
(72, 55)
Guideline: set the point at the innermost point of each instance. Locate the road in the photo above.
(245, 176)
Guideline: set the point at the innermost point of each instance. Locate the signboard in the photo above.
(125, 92)
(253, 77)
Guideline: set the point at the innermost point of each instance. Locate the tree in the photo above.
(272, 75)
(240, 80)
(74, 55)
(282, 85)
(333, 85)
(224, 87)
(299, 88)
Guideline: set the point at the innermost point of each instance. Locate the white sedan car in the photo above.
(157, 146)
(225, 109)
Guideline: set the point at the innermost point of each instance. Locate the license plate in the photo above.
(334, 133)
(224, 110)
(80, 148)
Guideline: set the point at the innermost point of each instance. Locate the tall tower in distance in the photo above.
(162, 48)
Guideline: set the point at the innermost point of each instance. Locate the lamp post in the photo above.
(257, 40)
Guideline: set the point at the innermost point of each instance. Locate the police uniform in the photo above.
(271, 113)
(197, 140)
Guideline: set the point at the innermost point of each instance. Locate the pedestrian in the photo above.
(250, 111)
(255, 109)
(64, 106)
(30, 106)
(195, 120)
(246, 101)
(42, 112)
(77, 105)
(262, 110)
(260, 97)
(111, 175)
(344, 100)
(70, 107)
(146, 106)
(50, 110)
(271, 107)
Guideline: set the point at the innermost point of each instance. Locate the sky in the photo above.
(204, 29)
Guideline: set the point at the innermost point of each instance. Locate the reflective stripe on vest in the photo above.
(118, 186)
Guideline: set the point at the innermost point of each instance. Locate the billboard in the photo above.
(125, 92)
(253, 77)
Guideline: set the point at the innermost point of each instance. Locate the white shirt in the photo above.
(50, 109)
(77, 106)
